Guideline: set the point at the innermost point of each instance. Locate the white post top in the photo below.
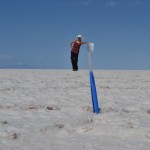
(90, 47)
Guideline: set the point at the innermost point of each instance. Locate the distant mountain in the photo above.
(17, 66)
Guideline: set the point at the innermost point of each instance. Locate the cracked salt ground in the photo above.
(52, 109)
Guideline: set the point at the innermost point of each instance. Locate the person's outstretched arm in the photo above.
(84, 42)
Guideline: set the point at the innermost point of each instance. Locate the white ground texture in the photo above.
(52, 110)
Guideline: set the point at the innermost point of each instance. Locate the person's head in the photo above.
(79, 37)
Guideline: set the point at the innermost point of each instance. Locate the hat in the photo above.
(80, 36)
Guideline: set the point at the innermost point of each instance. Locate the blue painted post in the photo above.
(94, 94)
(96, 108)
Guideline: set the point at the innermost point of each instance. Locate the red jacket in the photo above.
(76, 47)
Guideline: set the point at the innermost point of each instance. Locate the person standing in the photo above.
(75, 49)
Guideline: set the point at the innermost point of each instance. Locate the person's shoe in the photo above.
(75, 70)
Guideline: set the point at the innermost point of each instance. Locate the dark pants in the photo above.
(74, 61)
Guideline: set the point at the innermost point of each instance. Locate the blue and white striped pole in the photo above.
(96, 108)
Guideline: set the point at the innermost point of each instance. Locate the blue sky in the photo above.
(38, 33)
